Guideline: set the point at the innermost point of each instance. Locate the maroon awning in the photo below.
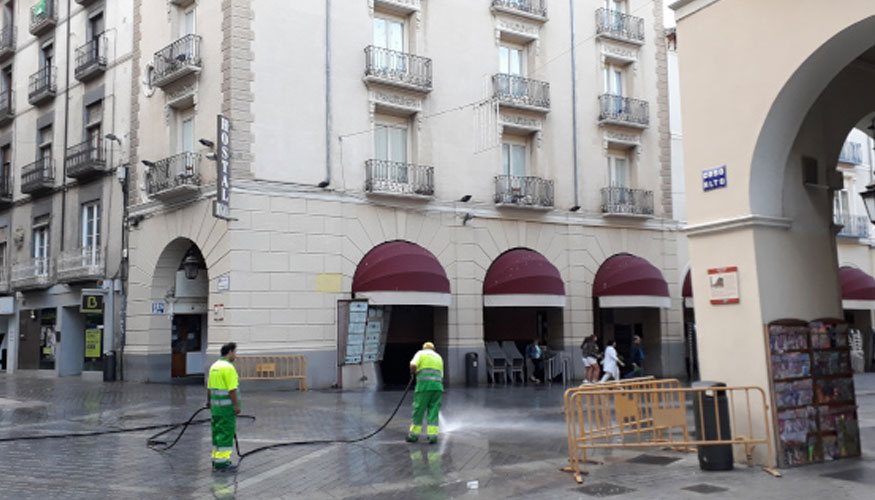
(523, 278)
(401, 273)
(856, 285)
(687, 289)
(626, 280)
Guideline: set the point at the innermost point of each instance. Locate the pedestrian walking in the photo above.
(590, 352)
(611, 363)
(428, 366)
(223, 400)
(636, 357)
(535, 353)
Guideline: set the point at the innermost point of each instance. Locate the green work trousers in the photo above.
(224, 427)
(426, 402)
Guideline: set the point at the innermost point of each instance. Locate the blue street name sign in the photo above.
(714, 178)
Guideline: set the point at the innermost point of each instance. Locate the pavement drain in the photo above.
(602, 490)
(861, 475)
(705, 489)
(653, 460)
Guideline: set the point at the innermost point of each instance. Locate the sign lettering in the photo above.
(222, 205)
(714, 178)
(92, 303)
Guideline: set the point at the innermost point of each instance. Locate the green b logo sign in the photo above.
(92, 303)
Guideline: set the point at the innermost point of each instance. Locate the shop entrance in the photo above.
(409, 328)
(186, 345)
(37, 340)
(623, 324)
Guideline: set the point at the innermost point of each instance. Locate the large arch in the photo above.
(774, 107)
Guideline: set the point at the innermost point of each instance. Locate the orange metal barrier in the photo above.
(285, 367)
(653, 413)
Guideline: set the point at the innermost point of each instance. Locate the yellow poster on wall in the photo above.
(92, 343)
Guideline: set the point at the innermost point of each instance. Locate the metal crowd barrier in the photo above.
(649, 413)
(281, 367)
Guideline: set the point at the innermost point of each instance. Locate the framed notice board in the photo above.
(361, 332)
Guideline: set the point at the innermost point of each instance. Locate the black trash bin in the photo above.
(471, 367)
(713, 457)
(109, 366)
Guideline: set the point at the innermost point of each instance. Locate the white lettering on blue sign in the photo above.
(714, 178)
(157, 307)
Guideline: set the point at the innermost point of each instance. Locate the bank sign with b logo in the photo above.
(714, 178)
(92, 303)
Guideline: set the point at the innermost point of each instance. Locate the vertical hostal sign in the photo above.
(222, 206)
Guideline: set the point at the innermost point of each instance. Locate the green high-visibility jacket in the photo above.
(429, 371)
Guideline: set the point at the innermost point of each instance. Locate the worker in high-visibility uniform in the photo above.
(428, 366)
(223, 399)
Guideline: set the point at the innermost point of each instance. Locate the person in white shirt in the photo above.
(611, 364)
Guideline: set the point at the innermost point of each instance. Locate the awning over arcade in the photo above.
(401, 273)
(858, 289)
(687, 291)
(523, 278)
(625, 280)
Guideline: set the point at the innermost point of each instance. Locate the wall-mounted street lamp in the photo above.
(869, 194)
(190, 265)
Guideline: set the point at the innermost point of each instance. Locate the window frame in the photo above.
(90, 220)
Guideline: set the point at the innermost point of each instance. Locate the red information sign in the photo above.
(723, 285)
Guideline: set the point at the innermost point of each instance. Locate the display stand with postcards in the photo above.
(812, 391)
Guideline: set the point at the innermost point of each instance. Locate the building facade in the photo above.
(516, 170)
(65, 68)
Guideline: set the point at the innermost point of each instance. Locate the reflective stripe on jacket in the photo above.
(222, 380)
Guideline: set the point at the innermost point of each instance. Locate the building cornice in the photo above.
(738, 223)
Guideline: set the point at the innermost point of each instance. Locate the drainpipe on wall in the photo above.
(574, 103)
(66, 130)
(327, 181)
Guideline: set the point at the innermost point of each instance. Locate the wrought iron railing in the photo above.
(616, 108)
(853, 226)
(7, 39)
(42, 83)
(620, 25)
(621, 200)
(33, 272)
(42, 14)
(391, 177)
(174, 172)
(523, 191)
(37, 175)
(180, 55)
(90, 56)
(80, 262)
(85, 157)
(400, 67)
(533, 7)
(516, 90)
(852, 152)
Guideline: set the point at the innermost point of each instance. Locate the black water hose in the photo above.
(158, 445)
(328, 441)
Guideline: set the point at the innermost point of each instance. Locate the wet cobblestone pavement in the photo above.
(509, 440)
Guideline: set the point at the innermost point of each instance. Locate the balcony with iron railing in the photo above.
(38, 177)
(852, 153)
(42, 86)
(625, 111)
(526, 192)
(80, 264)
(7, 107)
(7, 41)
(86, 159)
(619, 26)
(852, 226)
(43, 17)
(399, 179)
(33, 273)
(398, 69)
(91, 59)
(177, 60)
(531, 9)
(622, 201)
(7, 194)
(523, 93)
(175, 177)
(85, 2)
